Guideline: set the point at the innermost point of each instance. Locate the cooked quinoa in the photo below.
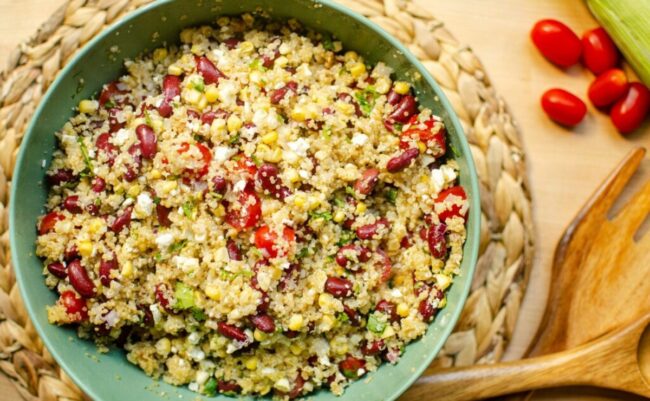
(255, 211)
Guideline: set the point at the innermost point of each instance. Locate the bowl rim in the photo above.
(470, 255)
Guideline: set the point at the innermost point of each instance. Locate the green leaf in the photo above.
(156, 200)
(184, 296)
(366, 98)
(210, 387)
(256, 160)
(327, 216)
(375, 324)
(257, 65)
(198, 314)
(339, 202)
(302, 253)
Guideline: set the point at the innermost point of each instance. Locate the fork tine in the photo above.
(635, 210)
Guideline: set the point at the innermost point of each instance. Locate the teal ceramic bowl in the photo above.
(110, 376)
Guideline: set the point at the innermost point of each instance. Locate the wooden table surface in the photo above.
(565, 167)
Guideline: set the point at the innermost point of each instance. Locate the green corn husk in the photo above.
(628, 23)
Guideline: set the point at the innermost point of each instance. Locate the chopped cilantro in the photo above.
(304, 252)
(342, 317)
(349, 190)
(257, 65)
(346, 237)
(327, 133)
(84, 153)
(177, 246)
(339, 202)
(391, 195)
(327, 216)
(198, 314)
(109, 105)
(366, 99)
(233, 139)
(156, 200)
(188, 209)
(256, 160)
(158, 257)
(327, 42)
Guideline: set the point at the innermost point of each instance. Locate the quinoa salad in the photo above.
(254, 211)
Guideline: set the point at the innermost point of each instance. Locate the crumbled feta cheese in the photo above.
(185, 263)
(300, 146)
(303, 71)
(304, 174)
(228, 92)
(283, 385)
(396, 293)
(359, 139)
(194, 338)
(121, 136)
(155, 313)
(437, 180)
(196, 354)
(164, 240)
(260, 118)
(193, 387)
(112, 318)
(223, 153)
(144, 205)
(448, 173)
(239, 186)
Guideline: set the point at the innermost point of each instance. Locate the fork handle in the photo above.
(608, 362)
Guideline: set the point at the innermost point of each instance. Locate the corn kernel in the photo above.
(234, 123)
(270, 137)
(85, 248)
(281, 61)
(350, 56)
(246, 47)
(346, 108)
(157, 125)
(325, 300)
(442, 280)
(213, 292)
(220, 211)
(398, 279)
(275, 156)
(422, 147)
(211, 93)
(174, 70)
(295, 348)
(163, 346)
(133, 191)
(313, 202)
(192, 96)
(327, 322)
(159, 54)
(437, 264)
(358, 70)
(276, 273)
(251, 363)
(298, 114)
(292, 175)
(299, 200)
(403, 309)
(95, 225)
(168, 186)
(339, 345)
(442, 303)
(296, 322)
(382, 85)
(88, 106)
(203, 102)
(401, 87)
(339, 216)
(361, 208)
(155, 174)
(127, 269)
(388, 332)
(259, 335)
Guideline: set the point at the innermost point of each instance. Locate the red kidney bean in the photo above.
(265, 302)
(133, 169)
(114, 123)
(208, 70)
(110, 91)
(123, 220)
(193, 114)
(161, 293)
(79, 279)
(278, 94)
(385, 265)
(368, 231)
(232, 332)
(404, 109)
(208, 117)
(426, 309)
(93, 209)
(231, 43)
(352, 314)
(351, 366)
(296, 390)
(372, 348)
(362, 253)
(393, 98)
(171, 87)
(60, 176)
(148, 141)
(263, 323)
(165, 109)
(269, 60)
(104, 146)
(105, 268)
(388, 308)
(287, 277)
(98, 184)
(162, 213)
(339, 287)
(71, 253)
(437, 241)
(227, 387)
(346, 97)
(219, 184)
(405, 242)
(57, 269)
(268, 175)
(233, 250)
(147, 316)
(49, 221)
(367, 182)
(74, 305)
(71, 204)
(402, 161)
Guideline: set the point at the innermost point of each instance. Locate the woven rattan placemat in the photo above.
(491, 312)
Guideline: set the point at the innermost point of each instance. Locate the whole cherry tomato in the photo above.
(563, 107)
(266, 240)
(599, 53)
(246, 213)
(629, 112)
(557, 42)
(608, 87)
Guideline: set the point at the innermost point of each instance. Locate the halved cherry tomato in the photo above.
(206, 157)
(599, 53)
(424, 132)
(608, 87)
(49, 221)
(112, 92)
(454, 208)
(563, 107)
(245, 164)
(557, 42)
(630, 111)
(265, 240)
(246, 213)
(74, 305)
